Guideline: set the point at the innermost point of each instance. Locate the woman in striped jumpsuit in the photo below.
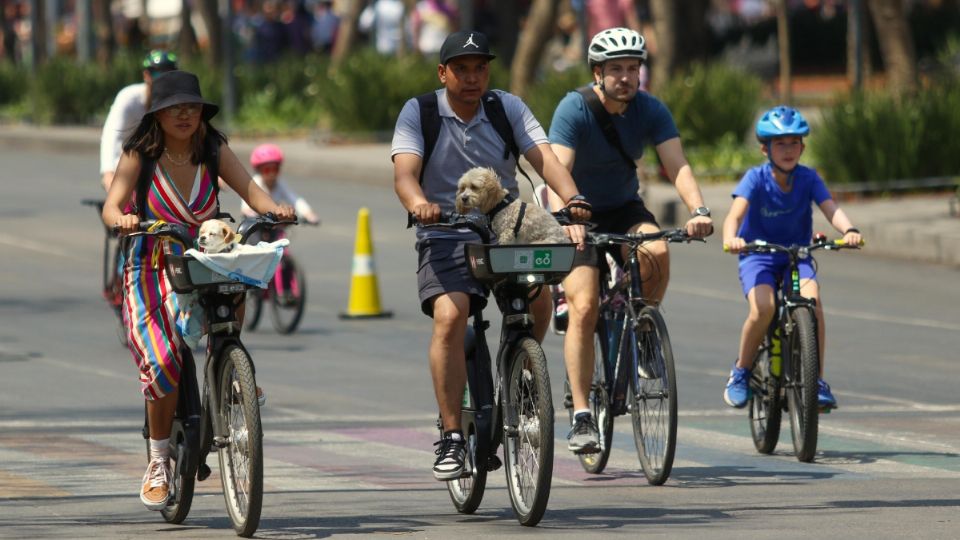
(177, 136)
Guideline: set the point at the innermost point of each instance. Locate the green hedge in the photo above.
(875, 137)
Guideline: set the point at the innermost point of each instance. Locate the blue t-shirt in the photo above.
(775, 216)
(600, 172)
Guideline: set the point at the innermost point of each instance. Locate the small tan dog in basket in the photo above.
(512, 220)
(216, 237)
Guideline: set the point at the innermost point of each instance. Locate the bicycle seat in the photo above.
(531, 264)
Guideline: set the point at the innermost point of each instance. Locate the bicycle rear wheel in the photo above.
(241, 460)
(184, 475)
(528, 445)
(765, 406)
(599, 400)
(466, 492)
(653, 395)
(288, 302)
(254, 309)
(804, 368)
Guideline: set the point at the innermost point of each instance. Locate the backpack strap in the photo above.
(492, 106)
(606, 123)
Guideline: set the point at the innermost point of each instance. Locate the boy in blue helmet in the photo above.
(772, 203)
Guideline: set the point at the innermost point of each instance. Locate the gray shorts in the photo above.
(443, 269)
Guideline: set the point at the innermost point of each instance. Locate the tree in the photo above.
(347, 34)
(783, 43)
(187, 40)
(859, 61)
(896, 44)
(681, 36)
(209, 11)
(536, 33)
(103, 24)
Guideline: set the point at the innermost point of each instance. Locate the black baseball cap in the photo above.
(465, 43)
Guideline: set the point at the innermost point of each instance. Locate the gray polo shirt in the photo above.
(464, 145)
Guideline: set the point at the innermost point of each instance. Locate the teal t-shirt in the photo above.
(601, 174)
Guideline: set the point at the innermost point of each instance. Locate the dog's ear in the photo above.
(228, 235)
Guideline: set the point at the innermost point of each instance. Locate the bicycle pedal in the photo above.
(203, 472)
(493, 463)
(221, 442)
(567, 401)
(587, 451)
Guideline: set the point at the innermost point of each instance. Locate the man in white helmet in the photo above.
(605, 174)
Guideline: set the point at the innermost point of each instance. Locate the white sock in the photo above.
(578, 412)
(160, 448)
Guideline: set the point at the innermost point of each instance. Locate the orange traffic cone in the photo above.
(364, 294)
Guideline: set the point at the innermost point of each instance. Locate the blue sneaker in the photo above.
(738, 387)
(824, 396)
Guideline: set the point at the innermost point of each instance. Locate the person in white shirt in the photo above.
(127, 110)
(266, 160)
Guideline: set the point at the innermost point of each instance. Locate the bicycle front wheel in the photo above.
(241, 460)
(653, 395)
(804, 368)
(290, 298)
(765, 406)
(528, 445)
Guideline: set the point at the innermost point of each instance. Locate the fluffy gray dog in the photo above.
(513, 221)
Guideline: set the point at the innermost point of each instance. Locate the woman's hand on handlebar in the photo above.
(127, 224)
(426, 213)
(285, 212)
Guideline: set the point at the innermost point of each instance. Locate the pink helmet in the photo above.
(265, 153)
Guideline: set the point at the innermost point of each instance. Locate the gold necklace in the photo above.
(178, 162)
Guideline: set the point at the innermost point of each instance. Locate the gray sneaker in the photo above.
(583, 436)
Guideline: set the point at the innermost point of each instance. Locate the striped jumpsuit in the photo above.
(151, 312)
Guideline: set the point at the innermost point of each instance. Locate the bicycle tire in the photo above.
(184, 477)
(466, 492)
(528, 446)
(241, 460)
(599, 400)
(254, 308)
(654, 382)
(288, 307)
(765, 406)
(802, 385)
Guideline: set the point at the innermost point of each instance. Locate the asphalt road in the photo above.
(349, 419)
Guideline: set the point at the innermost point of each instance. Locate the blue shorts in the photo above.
(771, 269)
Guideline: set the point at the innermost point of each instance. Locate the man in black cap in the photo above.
(438, 137)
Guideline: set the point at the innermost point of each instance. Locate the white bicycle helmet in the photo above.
(616, 43)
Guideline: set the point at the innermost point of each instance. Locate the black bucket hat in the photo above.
(177, 87)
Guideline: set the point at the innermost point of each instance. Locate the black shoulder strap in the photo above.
(429, 126)
(147, 165)
(606, 123)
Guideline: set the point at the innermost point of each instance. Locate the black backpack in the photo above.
(147, 166)
(606, 123)
(430, 126)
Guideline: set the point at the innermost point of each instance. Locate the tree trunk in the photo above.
(103, 24)
(664, 26)
(859, 64)
(347, 34)
(187, 40)
(896, 44)
(508, 27)
(536, 33)
(210, 12)
(783, 44)
(691, 32)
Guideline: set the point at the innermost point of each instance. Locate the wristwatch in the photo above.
(701, 211)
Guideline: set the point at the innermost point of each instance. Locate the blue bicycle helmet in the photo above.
(781, 121)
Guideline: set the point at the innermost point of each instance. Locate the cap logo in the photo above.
(470, 42)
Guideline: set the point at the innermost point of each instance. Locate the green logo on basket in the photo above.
(542, 259)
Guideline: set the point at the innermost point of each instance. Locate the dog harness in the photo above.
(505, 203)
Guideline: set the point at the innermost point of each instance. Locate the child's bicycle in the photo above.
(787, 364)
(224, 414)
(633, 369)
(112, 278)
(512, 405)
(286, 293)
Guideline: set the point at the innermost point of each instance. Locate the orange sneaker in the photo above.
(156, 484)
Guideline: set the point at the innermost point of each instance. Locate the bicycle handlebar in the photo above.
(762, 246)
(634, 239)
(180, 232)
(477, 223)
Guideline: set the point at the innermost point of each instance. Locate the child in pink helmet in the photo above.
(266, 160)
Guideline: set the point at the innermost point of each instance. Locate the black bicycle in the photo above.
(224, 415)
(286, 292)
(787, 364)
(112, 279)
(633, 370)
(512, 405)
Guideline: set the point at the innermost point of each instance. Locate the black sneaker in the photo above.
(583, 436)
(451, 454)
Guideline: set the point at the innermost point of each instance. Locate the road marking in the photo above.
(43, 249)
(860, 315)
